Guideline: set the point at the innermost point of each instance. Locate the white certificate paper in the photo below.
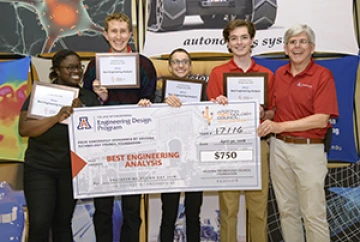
(117, 70)
(186, 91)
(47, 99)
(246, 86)
(132, 150)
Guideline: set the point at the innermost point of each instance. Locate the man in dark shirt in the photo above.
(117, 31)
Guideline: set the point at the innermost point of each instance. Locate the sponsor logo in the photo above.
(83, 123)
(303, 85)
(207, 116)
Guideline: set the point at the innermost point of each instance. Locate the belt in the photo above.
(296, 140)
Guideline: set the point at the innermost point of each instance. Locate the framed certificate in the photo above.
(118, 70)
(47, 99)
(187, 90)
(246, 86)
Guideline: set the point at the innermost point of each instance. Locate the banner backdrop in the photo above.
(344, 69)
(197, 25)
(34, 27)
(13, 84)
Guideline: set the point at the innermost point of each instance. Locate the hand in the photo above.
(221, 100)
(64, 113)
(173, 101)
(144, 103)
(76, 103)
(262, 112)
(268, 127)
(101, 91)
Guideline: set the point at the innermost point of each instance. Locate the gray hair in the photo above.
(298, 29)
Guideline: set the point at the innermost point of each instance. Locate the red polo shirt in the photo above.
(215, 85)
(309, 92)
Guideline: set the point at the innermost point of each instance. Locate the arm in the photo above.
(266, 114)
(92, 84)
(213, 89)
(34, 127)
(101, 91)
(310, 122)
(147, 79)
(89, 75)
(270, 112)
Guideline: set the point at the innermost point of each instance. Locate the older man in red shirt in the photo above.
(304, 98)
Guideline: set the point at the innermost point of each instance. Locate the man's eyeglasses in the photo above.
(301, 42)
(73, 68)
(183, 62)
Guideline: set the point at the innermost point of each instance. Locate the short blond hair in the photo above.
(116, 16)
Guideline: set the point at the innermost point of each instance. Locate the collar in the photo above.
(234, 67)
(309, 70)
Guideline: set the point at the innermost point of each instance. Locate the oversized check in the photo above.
(132, 150)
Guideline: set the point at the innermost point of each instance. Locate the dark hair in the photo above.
(118, 17)
(57, 59)
(238, 23)
(178, 50)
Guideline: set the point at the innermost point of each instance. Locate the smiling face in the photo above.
(180, 65)
(240, 42)
(299, 49)
(70, 71)
(118, 35)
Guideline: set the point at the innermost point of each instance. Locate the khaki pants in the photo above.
(298, 175)
(256, 205)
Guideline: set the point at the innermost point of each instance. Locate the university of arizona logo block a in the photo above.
(83, 123)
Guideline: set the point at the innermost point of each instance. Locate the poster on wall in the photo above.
(13, 85)
(34, 27)
(196, 25)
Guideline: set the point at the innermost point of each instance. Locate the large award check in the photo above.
(131, 150)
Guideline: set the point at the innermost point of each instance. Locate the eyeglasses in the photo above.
(301, 42)
(183, 62)
(73, 68)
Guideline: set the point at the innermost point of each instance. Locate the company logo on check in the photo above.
(207, 115)
(83, 123)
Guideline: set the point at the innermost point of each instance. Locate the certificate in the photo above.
(118, 70)
(133, 150)
(246, 86)
(47, 99)
(187, 90)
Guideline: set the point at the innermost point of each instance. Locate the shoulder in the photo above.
(264, 69)
(91, 64)
(321, 69)
(282, 69)
(220, 68)
(147, 66)
(145, 62)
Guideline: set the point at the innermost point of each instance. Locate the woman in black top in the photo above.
(47, 167)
